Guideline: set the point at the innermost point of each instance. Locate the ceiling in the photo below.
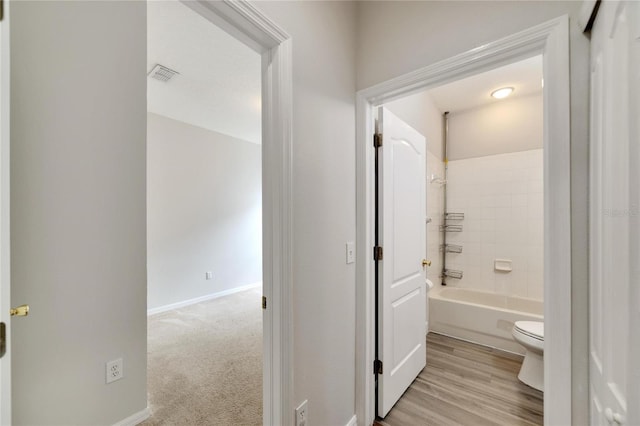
(524, 76)
(218, 87)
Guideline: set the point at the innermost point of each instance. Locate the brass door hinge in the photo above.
(377, 140)
(3, 339)
(20, 311)
(377, 367)
(377, 253)
(264, 302)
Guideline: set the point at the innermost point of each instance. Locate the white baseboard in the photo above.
(135, 419)
(204, 298)
(353, 421)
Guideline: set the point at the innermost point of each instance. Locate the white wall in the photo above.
(396, 37)
(78, 232)
(324, 70)
(512, 125)
(203, 211)
(502, 199)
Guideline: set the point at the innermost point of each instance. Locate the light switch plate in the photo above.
(351, 252)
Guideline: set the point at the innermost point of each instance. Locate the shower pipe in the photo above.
(445, 120)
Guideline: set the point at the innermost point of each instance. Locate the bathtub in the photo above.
(480, 317)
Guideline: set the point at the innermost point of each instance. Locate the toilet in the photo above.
(530, 334)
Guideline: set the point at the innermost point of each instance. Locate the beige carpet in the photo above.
(205, 363)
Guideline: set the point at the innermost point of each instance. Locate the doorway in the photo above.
(550, 40)
(204, 221)
(484, 250)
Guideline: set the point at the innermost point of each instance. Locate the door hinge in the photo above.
(377, 140)
(264, 302)
(377, 367)
(377, 253)
(3, 339)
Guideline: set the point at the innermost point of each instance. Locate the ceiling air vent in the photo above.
(162, 73)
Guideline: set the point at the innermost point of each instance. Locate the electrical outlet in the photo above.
(114, 370)
(208, 275)
(301, 414)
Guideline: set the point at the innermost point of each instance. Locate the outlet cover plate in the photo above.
(114, 370)
(301, 414)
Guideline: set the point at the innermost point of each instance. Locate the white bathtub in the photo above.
(480, 317)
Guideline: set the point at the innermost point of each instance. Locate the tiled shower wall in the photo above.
(435, 198)
(502, 199)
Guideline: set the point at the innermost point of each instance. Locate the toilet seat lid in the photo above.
(533, 329)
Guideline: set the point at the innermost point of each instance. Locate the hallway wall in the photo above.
(324, 204)
(78, 210)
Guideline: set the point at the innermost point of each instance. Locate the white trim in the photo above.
(353, 421)
(135, 419)
(242, 20)
(483, 58)
(557, 227)
(5, 246)
(246, 22)
(365, 339)
(552, 40)
(204, 298)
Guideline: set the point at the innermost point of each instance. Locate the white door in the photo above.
(5, 300)
(614, 179)
(401, 277)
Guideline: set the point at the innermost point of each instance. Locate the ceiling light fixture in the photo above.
(502, 93)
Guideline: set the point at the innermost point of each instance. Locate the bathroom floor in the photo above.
(467, 384)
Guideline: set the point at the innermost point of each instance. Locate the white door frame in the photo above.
(5, 258)
(248, 24)
(551, 39)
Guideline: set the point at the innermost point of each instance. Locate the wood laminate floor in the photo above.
(467, 384)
